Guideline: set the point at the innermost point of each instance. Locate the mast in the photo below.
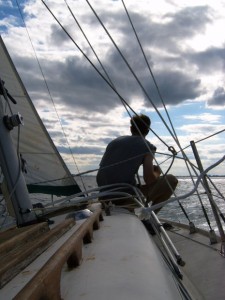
(11, 166)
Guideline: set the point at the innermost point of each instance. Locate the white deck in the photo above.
(205, 267)
(123, 262)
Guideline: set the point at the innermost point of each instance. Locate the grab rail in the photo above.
(46, 283)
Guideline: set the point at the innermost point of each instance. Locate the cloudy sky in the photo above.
(183, 44)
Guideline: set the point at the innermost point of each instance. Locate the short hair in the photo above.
(140, 124)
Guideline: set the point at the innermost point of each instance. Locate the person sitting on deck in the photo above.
(122, 159)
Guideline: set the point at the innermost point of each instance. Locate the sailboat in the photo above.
(51, 253)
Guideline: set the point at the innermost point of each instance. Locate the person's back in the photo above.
(124, 156)
(122, 159)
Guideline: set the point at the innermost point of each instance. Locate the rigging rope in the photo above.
(124, 102)
(163, 103)
(160, 96)
(110, 83)
(133, 73)
(156, 206)
(197, 193)
(154, 80)
(149, 68)
(131, 70)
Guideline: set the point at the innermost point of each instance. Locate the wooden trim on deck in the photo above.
(20, 250)
(46, 283)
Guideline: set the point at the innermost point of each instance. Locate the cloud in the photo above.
(72, 80)
(8, 22)
(73, 83)
(211, 60)
(58, 37)
(205, 117)
(218, 98)
(90, 111)
(175, 85)
(6, 3)
(186, 23)
(80, 150)
(168, 31)
(200, 130)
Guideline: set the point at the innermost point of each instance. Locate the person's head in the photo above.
(140, 123)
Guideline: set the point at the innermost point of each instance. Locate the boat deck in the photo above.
(205, 266)
(123, 262)
(119, 261)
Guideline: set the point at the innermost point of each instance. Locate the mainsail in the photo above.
(45, 171)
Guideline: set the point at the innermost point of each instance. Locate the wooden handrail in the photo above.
(46, 283)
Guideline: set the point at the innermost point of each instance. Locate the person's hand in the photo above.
(157, 170)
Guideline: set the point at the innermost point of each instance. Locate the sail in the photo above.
(44, 168)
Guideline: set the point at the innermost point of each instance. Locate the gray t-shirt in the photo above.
(122, 159)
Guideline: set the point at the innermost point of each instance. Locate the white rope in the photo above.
(112, 189)
(145, 212)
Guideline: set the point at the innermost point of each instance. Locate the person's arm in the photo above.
(150, 172)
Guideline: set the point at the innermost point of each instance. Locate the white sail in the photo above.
(46, 171)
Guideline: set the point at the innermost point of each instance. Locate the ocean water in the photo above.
(171, 211)
(191, 205)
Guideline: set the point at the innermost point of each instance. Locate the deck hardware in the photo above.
(17, 192)
(4, 92)
(13, 121)
(172, 150)
(192, 228)
(213, 237)
(222, 249)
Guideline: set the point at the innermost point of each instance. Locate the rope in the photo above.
(194, 240)
(156, 206)
(107, 81)
(149, 68)
(175, 137)
(137, 79)
(129, 67)
(124, 103)
(203, 208)
(93, 170)
(210, 136)
(221, 195)
(161, 98)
